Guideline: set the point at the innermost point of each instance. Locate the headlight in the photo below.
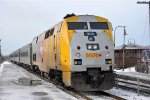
(95, 47)
(89, 47)
(77, 55)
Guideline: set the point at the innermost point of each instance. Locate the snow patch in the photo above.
(2, 66)
(12, 91)
(131, 69)
(6, 62)
(129, 95)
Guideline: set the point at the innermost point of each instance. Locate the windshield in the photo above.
(98, 25)
(77, 26)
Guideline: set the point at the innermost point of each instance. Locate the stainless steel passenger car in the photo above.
(26, 56)
(16, 56)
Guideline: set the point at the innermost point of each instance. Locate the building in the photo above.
(133, 54)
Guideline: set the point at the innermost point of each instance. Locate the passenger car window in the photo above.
(47, 34)
(36, 39)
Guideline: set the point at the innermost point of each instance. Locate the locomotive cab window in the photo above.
(99, 25)
(77, 26)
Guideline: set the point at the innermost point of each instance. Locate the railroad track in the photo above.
(135, 90)
(102, 93)
(70, 91)
(77, 94)
(113, 96)
(133, 84)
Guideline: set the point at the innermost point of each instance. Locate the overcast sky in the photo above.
(22, 20)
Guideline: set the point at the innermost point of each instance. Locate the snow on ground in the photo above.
(10, 90)
(6, 62)
(131, 72)
(131, 69)
(129, 95)
(126, 94)
(2, 66)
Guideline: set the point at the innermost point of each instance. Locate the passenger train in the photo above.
(78, 51)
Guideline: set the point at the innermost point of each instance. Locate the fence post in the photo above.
(138, 88)
(147, 69)
(116, 81)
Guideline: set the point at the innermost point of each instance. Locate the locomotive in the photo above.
(78, 51)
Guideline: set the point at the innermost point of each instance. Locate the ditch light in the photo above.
(108, 61)
(77, 61)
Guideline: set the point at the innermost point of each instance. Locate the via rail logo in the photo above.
(93, 55)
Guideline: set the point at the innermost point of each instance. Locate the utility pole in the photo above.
(146, 2)
(0, 54)
(123, 55)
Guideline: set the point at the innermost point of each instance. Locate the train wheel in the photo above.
(59, 76)
(37, 70)
(33, 69)
(42, 74)
(51, 74)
